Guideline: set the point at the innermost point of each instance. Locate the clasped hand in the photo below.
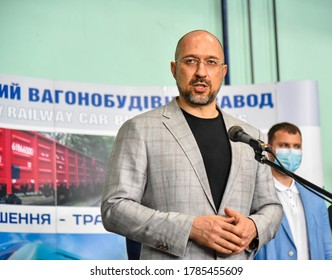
(229, 234)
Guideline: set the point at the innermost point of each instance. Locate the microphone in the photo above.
(237, 134)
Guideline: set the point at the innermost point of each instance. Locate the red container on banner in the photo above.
(33, 164)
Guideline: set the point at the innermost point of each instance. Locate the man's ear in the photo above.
(269, 156)
(173, 68)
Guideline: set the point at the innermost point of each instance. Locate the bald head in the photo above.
(196, 35)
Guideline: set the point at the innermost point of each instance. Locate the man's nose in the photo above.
(201, 70)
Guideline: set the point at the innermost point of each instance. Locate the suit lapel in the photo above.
(309, 217)
(286, 228)
(235, 164)
(176, 123)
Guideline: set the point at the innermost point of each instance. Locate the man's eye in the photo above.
(211, 62)
(191, 61)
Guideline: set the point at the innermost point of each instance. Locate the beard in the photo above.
(198, 99)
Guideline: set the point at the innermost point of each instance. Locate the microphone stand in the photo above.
(308, 185)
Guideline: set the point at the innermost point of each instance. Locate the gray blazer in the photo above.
(157, 184)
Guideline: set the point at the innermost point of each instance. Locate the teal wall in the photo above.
(131, 42)
(305, 38)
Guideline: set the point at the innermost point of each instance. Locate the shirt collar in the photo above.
(282, 188)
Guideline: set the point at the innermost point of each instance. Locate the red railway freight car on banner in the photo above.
(32, 164)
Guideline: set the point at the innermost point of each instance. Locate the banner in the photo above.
(56, 138)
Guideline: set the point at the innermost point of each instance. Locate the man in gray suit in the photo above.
(175, 182)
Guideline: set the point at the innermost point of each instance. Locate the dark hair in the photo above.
(284, 126)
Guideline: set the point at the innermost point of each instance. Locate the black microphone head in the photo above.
(233, 133)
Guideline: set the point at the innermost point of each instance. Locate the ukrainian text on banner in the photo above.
(28, 103)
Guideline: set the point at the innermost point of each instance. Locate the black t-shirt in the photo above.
(212, 139)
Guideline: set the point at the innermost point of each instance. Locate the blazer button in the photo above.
(291, 253)
(162, 246)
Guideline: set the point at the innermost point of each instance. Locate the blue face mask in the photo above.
(289, 158)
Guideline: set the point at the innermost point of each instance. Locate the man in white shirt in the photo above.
(305, 231)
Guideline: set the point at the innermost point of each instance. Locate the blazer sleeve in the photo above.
(121, 209)
(266, 210)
